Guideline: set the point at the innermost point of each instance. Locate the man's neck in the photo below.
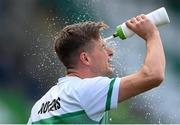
(80, 73)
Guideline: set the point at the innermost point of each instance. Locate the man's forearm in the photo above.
(155, 59)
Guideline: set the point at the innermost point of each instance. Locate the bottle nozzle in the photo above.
(115, 35)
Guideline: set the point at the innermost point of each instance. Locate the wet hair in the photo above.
(74, 39)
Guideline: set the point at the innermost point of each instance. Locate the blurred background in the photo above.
(29, 66)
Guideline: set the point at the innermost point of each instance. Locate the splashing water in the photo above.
(108, 38)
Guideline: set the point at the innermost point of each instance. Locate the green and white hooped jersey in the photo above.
(75, 100)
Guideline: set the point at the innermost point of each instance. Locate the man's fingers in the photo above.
(136, 21)
(138, 18)
(133, 20)
(130, 24)
(143, 16)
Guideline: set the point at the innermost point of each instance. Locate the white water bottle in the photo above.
(158, 17)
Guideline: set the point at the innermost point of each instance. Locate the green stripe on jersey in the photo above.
(108, 100)
(78, 117)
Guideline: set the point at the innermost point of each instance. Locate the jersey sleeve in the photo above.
(29, 121)
(98, 95)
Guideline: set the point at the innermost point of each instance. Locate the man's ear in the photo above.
(85, 58)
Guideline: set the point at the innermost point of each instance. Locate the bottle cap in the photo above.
(119, 32)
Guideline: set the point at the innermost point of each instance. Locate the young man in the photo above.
(86, 93)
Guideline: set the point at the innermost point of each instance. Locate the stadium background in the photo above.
(29, 66)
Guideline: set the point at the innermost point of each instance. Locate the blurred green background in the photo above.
(29, 66)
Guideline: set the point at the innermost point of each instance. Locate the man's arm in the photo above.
(151, 73)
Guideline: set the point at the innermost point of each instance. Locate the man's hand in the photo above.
(143, 27)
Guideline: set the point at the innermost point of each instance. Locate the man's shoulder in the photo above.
(90, 85)
(77, 80)
(95, 80)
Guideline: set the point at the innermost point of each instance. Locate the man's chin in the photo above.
(109, 73)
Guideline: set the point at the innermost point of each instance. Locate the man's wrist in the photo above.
(153, 36)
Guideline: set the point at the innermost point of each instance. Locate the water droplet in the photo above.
(110, 119)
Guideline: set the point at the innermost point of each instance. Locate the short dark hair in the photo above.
(73, 38)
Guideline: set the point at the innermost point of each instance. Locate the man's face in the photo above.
(101, 58)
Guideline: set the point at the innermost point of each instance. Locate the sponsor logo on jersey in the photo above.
(50, 106)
